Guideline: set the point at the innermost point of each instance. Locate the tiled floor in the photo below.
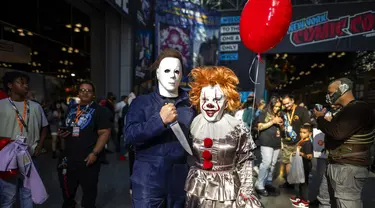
(114, 191)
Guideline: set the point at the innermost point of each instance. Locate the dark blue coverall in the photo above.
(160, 167)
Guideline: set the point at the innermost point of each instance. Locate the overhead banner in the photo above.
(332, 27)
(12, 52)
(187, 27)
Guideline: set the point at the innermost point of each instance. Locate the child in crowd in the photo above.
(306, 151)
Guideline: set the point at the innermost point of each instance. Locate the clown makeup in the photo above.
(212, 103)
(169, 76)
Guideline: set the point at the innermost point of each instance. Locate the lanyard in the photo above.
(79, 112)
(21, 119)
(302, 141)
(290, 117)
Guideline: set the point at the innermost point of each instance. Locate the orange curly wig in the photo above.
(212, 75)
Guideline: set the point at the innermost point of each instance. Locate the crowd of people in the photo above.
(202, 148)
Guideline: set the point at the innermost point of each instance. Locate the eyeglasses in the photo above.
(83, 90)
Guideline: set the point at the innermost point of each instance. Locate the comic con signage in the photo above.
(341, 27)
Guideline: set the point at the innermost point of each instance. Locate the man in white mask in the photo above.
(160, 166)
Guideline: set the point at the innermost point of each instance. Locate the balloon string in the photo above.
(255, 85)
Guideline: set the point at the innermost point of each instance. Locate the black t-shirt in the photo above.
(270, 137)
(300, 117)
(307, 149)
(95, 118)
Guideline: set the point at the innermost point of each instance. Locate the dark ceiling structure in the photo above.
(57, 33)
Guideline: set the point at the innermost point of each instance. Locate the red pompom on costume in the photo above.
(207, 164)
(207, 155)
(208, 142)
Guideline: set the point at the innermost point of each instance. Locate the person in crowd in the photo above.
(270, 126)
(120, 106)
(294, 117)
(160, 166)
(349, 137)
(56, 118)
(109, 104)
(248, 113)
(305, 147)
(3, 95)
(222, 145)
(86, 130)
(20, 119)
(129, 147)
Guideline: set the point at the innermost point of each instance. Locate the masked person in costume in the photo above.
(221, 176)
(348, 139)
(160, 166)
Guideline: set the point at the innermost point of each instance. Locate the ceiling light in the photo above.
(31, 54)
(290, 82)
(301, 73)
(284, 85)
(333, 54)
(59, 70)
(314, 65)
(63, 70)
(330, 56)
(37, 71)
(321, 65)
(343, 54)
(71, 63)
(34, 64)
(276, 65)
(20, 30)
(77, 29)
(35, 52)
(58, 76)
(78, 25)
(68, 26)
(63, 49)
(30, 33)
(29, 63)
(22, 34)
(70, 51)
(66, 62)
(307, 73)
(61, 62)
(72, 74)
(10, 65)
(297, 78)
(277, 55)
(76, 51)
(292, 78)
(13, 31)
(39, 64)
(86, 29)
(339, 56)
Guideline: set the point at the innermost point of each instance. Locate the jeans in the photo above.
(8, 192)
(267, 167)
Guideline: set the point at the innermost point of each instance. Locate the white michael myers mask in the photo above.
(212, 103)
(169, 76)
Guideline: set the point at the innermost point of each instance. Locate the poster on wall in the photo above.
(326, 28)
(144, 12)
(190, 29)
(177, 38)
(143, 56)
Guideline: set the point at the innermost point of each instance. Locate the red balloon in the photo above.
(264, 23)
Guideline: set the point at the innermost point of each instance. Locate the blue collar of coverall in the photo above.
(182, 96)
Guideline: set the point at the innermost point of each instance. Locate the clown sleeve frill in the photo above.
(246, 197)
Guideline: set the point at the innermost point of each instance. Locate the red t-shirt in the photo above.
(3, 95)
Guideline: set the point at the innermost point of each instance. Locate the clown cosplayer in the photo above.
(157, 125)
(222, 146)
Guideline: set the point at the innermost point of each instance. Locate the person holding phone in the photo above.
(86, 130)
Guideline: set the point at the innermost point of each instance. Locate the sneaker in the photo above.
(295, 199)
(301, 204)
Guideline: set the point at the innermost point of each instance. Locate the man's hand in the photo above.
(37, 150)
(168, 113)
(90, 159)
(320, 113)
(63, 133)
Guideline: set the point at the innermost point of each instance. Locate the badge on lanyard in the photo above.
(75, 132)
(290, 129)
(20, 137)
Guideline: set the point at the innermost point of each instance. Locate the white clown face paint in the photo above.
(212, 103)
(169, 76)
